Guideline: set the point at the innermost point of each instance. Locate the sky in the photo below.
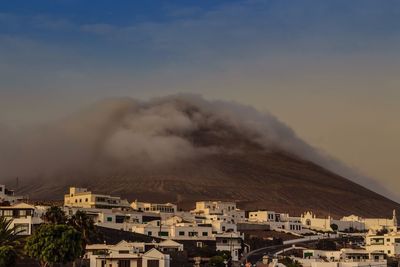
(329, 69)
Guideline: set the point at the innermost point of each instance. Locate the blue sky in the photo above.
(330, 69)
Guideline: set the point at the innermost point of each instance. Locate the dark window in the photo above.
(181, 233)
(124, 263)
(205, 233)
(119, 219)
(162, 233)
(153, 263)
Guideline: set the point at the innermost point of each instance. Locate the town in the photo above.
(214, 233)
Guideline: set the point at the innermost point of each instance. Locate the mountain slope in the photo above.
(183, 150)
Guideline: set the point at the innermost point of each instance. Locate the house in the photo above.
(130, 254)
(8, 196)
(82, 198)
(24, 217)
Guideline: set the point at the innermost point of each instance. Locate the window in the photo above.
(124, 263)
(22, 228)
(109, 219)
(119, 219)
(123, 251)
(153, 263)
(8, 213)
(22, 213)
(86, 199)
(163, 233)
(224, 241)
(149, 233)
(199, 244)
(181, 233)
(205, 234)
(223, 228)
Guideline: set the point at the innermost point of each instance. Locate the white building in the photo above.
(154, 207)
(342, 258)
(7, 195)
(24, 217)
(277, 221)
(133, 247)
(176, 229)
(220, 208)
(231, 242)
(310, 220)
(122, 257)
(82, 198)
(387, 243)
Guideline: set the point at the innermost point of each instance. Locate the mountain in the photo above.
(183, 150)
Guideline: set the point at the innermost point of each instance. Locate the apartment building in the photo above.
(82, 198)
(277, 221)
(220, 208)
(388, 243)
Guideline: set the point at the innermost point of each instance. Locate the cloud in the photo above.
(122, 134)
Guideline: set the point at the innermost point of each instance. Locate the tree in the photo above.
(53, 243)
(288, 262)
(85, 225)
(334, 227)
(8, 235)
(217, 261)
(55, 215)
(8, 240)
(8, 256)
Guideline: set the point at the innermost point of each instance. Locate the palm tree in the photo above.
(84, 224)
(8, 235)
(8, 242)
(54, 215)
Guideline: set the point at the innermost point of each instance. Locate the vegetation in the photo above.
(53, 243)
(8, 241)
(217, 261)
(288, 262)
(334, 227)
(84, 224)
(55, 215)
(8, 256)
